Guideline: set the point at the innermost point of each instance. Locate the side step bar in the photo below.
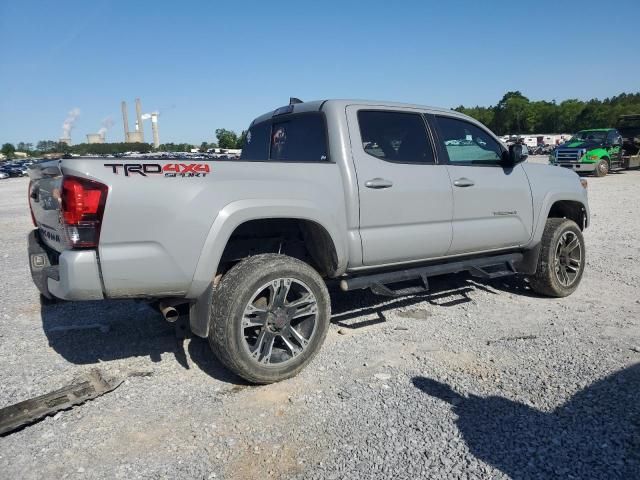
(483, 267)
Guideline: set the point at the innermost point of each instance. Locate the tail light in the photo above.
(83, 204)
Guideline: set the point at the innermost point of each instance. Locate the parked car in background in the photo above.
(3, 175)
(14, 171)
(596, 151)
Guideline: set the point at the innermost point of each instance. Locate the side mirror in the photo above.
(518, 153)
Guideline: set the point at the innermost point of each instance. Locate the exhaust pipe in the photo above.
(169, 312)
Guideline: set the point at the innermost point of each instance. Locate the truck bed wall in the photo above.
(155, 228)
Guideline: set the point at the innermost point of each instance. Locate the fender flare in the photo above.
(549, 200)
(529, 262)
(228, 219)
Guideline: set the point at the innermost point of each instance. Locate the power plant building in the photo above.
(95, 138)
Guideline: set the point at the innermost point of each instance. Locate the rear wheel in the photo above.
(269, 317)
(602, 168)
(562, 259)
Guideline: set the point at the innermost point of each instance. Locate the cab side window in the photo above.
(256, 143)
(299, 138)
(399, 137)
(288, 138)
(467, 144)
(613, 138)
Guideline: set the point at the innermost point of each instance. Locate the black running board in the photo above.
(483, 267)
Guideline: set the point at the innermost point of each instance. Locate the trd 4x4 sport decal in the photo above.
(168, 170)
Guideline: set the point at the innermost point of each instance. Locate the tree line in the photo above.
(516, 114)
(513, 114)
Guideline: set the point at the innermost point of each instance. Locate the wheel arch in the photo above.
(329, 251)
(300, 238)
(572, 207)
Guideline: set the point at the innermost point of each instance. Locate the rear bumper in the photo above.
(70, 275)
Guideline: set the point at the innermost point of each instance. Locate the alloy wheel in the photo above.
(568, 258)
(279, 321)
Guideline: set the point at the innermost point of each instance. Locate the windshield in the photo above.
(590, 136)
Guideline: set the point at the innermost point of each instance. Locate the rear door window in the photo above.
(395, 136)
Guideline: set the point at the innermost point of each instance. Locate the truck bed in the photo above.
(160, 213)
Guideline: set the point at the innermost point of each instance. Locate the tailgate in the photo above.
(44, 200)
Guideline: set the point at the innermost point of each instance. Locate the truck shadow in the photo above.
(92, 332)
(86, 333)
(595, 434)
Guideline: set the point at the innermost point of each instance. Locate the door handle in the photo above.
(378, 183)
(463, 182)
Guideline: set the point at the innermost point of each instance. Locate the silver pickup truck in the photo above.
(366, 194)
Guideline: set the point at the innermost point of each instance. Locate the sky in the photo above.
(205, 64)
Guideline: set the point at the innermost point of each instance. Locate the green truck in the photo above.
(601, 150)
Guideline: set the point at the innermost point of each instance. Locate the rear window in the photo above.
(291, 138)
(256, 143)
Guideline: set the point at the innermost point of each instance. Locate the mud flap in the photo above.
(25, 413)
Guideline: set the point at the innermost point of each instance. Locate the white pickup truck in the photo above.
(368, 193)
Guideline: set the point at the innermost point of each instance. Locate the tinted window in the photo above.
(467, 143)
(256, 145)
(395, 136)
(292, 138)
(612, 137)
(299, 138)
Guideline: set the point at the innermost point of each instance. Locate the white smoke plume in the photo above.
(147, 116)
(107, 123)
(69, 122)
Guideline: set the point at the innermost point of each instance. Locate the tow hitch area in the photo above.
(25, 413)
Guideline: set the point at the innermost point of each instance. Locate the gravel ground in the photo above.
(475, 380)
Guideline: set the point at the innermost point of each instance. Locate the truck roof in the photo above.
(317, 105)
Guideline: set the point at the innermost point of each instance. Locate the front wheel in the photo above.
(561, 261)
(269, 317)
(602, 168)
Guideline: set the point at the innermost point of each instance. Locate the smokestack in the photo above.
(139, 118)
(125, 121)
(154, 129)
